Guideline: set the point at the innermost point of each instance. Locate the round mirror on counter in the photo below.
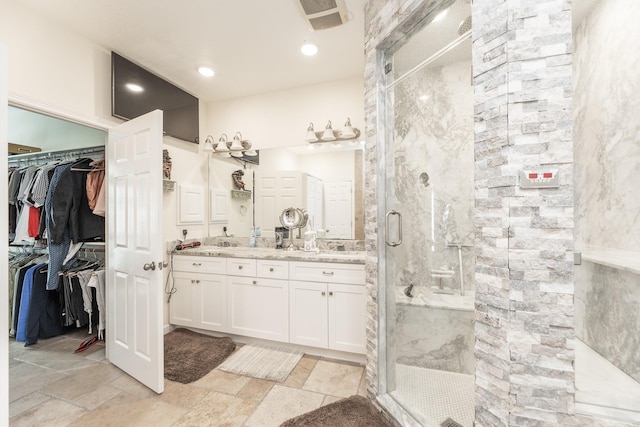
(293, 218)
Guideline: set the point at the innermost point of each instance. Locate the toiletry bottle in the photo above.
(252, 237)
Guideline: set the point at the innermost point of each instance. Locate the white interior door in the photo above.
(339, 209)
(134, 247)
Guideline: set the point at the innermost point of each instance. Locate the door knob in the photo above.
(162, 264)
(149, 266)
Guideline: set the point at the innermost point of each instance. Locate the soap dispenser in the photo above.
(310, 241)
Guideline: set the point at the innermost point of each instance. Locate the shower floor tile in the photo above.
(432, 396)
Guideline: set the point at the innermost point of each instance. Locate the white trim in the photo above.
(4, 267)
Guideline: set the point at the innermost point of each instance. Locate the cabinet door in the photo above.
(182, 311)
(212, 301)
(258, 307)
(308, 314)
(347, 318)
(200, 301)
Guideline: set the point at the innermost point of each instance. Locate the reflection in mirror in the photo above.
(29, 131)
(327, 182)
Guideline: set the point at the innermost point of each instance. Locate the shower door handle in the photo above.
(399, 228)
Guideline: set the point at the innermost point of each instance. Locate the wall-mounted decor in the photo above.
(190, 204)
(218, 205)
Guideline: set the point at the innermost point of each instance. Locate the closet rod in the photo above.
(53, 155)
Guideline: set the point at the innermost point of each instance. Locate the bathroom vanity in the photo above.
(306, 299)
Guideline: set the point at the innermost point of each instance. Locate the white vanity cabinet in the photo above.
(258, 298)
(200, 298)
(327, 303)
(315, 304)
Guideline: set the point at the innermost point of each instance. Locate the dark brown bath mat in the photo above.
(354, 411)
(189, 356)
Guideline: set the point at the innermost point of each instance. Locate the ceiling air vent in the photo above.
(323, 14)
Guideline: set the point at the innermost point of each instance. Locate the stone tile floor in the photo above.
(50, 385)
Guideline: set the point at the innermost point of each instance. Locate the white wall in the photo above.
(280, 119)
(51, 64)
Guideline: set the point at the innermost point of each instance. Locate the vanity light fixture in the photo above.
(311, 134)
(208, 145)
(237, 147)
(328, 135)
(331, 135)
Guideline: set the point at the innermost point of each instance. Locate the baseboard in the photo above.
(359, 359)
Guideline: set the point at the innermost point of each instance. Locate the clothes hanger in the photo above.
(97, 167)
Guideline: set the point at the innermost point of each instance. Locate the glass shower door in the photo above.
(428, 224)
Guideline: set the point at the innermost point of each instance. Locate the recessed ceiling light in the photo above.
(134, 87)
(440, 15)
(206, 71)
(309, 49)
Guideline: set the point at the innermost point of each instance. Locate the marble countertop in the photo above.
(347, 257)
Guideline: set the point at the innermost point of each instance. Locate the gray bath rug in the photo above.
(354, 411)
(189, 356)
(258, 361)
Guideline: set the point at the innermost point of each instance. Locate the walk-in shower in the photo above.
(428, 258)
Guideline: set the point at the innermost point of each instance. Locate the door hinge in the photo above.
(387, 68)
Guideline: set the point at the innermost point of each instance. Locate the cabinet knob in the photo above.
(255, 282)
(271, 269)
(328, 273)
(195, 281)
(323, 293)
(239, 267)
(197, 264)
(330, 293)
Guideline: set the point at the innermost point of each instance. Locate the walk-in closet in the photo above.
(56, 226)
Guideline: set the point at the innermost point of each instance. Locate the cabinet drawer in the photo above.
(199, 264)
(241, 267)
(327, 272)
(270, 269)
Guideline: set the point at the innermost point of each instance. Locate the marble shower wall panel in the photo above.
(607, 126)
(435, 338)
(433, 134)
(607, 316)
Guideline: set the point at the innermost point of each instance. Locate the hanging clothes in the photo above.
(17, 269)
(43, 320)
(56, 224)
(97, 281)
(95, 178)
(72, 205)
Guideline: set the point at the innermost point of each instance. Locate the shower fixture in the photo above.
(424, 179)
(407, 290)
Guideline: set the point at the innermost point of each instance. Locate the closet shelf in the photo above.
(614, 258)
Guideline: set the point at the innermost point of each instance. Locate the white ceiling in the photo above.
(253, 45)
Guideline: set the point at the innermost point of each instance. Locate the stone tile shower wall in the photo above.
(524, 238)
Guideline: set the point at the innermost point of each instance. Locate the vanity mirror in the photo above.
(326, 181)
